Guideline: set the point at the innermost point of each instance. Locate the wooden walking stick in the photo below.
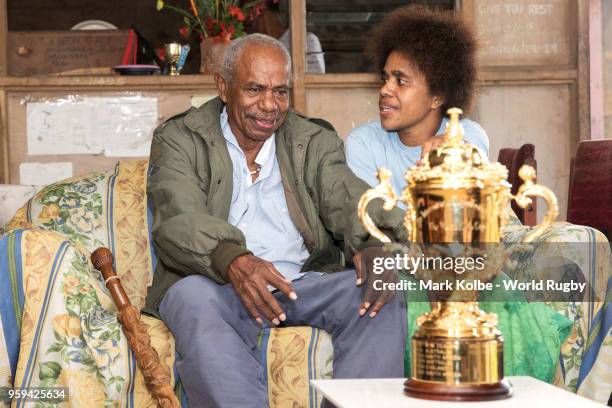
(156, 377)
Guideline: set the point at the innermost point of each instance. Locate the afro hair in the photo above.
(439, 43)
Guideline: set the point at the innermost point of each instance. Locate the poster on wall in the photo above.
(119, 126)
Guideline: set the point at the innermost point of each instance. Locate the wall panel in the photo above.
(345, 108)
(537, 114)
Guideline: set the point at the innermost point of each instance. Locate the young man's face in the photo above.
(257, 97)
(404, 99)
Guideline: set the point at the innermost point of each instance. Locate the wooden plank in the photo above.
(596, 90)
(488, 76)
(467, 10)
(297, 24)
(108, 82)
(522, 32)
(4, 146)
(581, 120)
(48, 52)
(514, 75)
(540, 115)
(3, 37)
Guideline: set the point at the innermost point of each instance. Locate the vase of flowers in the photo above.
(217, 22)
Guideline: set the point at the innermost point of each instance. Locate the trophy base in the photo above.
(465, 392)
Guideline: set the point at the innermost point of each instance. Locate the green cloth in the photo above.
(532, 332)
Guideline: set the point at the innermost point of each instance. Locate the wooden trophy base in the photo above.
(444, 392)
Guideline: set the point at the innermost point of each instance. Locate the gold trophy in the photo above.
(173, 52)
(456, 196)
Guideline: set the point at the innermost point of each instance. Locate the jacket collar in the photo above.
(205, 122)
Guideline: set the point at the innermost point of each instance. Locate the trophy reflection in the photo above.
(457, 199)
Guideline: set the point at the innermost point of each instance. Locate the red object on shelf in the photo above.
(131, 48)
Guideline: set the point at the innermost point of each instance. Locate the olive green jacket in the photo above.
(190, 191)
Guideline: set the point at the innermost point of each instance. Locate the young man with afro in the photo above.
(427, 65)
(427, 62)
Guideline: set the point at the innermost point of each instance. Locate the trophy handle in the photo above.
(410, 215)
(531, 189)
(383, 190)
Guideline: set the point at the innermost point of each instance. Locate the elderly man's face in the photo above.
(257, 97)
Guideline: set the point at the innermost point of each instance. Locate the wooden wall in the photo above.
(607, 66)
(533, 87)
(157, 27)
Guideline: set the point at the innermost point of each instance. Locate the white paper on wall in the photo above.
(125, 125)
(59, 127)
(115, 126)
(41, 174)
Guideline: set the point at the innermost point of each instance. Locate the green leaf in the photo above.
(87, 302)
(55, 348)
(87, 359)
(105, 336)
(49, 370)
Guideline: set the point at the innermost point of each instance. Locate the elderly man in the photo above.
(251, 204)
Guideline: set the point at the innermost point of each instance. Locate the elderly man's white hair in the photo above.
(234, 51)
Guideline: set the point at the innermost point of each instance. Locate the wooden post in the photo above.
(3, 37)
(297, 24)
(4, 150)
(3, 99)
(581, 44)
(596, 69)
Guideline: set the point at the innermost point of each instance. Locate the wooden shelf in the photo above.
(45, 83)
(489, 76)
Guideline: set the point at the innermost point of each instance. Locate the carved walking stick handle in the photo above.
(156, 377)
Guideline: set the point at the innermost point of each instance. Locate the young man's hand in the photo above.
(250, 277)
(430, 145)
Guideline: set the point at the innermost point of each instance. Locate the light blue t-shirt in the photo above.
(369, 147)
(259, 208)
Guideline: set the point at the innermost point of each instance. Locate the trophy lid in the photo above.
(456, 164)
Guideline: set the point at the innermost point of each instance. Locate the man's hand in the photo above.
(430, 145)
(250, 277)
(373, 299)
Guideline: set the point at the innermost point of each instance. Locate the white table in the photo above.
(388, 393)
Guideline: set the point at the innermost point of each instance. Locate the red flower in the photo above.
(184, 31)
(235, 11)
(210, 24)
(226, 34)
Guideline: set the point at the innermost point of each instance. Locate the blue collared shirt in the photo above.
(259, 208)
(369, 147)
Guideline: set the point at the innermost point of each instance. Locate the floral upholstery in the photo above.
(585, 364)
(62, 317)
(58, 325)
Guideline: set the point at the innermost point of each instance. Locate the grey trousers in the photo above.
(218, 358)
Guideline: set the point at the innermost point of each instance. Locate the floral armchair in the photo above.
(58, 323)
